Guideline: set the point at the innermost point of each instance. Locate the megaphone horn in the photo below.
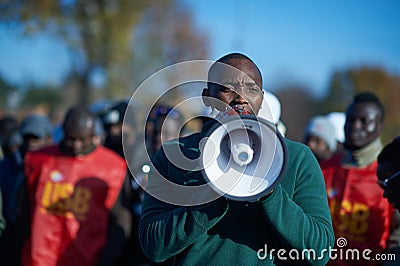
(244, 157)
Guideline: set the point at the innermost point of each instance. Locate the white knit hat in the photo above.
(320, 126)
(270, 108)
(338, 119)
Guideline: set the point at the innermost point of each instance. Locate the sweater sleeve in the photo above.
(166, 229)
(303, 219)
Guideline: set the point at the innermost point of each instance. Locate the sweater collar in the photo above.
(364, 156)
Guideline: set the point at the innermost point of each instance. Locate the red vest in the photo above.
(359, 212)
(70, 200)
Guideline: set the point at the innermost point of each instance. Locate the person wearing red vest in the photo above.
(361, 219)
(76, 194)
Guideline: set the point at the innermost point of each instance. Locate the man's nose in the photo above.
(357, 124)
(311, 144)
(239, 95)
(77, 144)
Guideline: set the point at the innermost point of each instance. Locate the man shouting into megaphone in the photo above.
(275, 229)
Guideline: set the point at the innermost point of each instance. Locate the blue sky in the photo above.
(304, 41)
(291, 41)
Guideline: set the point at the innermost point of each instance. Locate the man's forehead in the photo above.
(239, 78)
(82, 126)
(235, 70)
(363, 109)
(78, 131)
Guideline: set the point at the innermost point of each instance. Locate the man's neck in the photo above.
(89, 150)
(364, 156)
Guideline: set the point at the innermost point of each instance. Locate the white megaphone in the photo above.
(244, 157)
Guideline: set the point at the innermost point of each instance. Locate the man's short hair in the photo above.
(369, 97)
(231, 56)
(78, 117)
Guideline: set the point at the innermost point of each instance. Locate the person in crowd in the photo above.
(34, 133)
(2, 220)
(117, 125)
(163, 124)
(9, 140)
(388, 173)
(227, 232)
(113, 121)
(271, 110)
(99, 132)
(320, 137)
(159, 129)
(74, 200)
(358, 214)
(338, 119)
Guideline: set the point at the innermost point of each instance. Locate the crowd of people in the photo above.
(69, 197)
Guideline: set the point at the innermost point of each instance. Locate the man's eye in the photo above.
(225, 89)
(368, 121)
(254, 90)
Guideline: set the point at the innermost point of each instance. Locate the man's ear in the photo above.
(206, 97)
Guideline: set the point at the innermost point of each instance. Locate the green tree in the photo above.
(6, 91)
(340, 92)
(47, 97)
(166, 35)
(102, 40)
(298, 106)
(97, 33)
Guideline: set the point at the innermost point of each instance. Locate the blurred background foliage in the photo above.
(114, 46)
(298, 105)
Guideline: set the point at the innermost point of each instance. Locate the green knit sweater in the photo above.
(295, 217)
